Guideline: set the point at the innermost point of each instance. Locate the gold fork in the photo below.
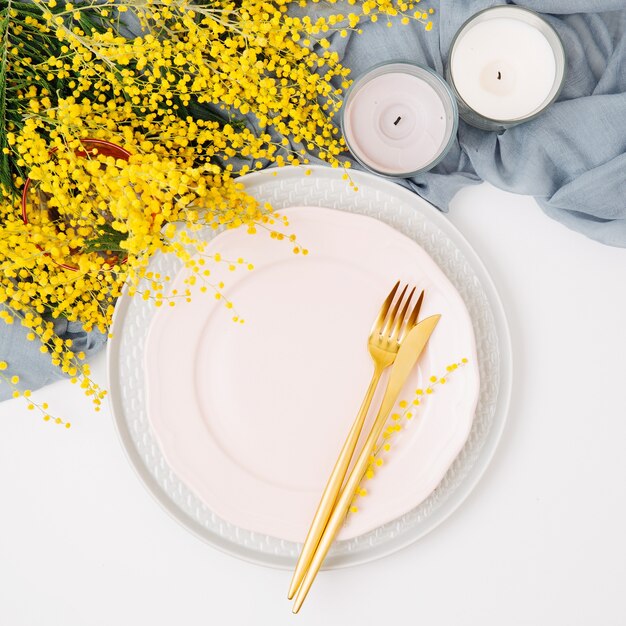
(383, 345)
(413, 343)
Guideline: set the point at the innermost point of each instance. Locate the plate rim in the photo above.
(470, 480)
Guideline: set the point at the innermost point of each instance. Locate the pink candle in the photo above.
(399, 119)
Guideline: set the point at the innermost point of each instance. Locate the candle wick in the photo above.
(396, 122)
(499, 75)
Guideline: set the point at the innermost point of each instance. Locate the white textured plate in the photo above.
(415, 218)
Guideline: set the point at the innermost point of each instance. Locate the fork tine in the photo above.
(394, 312)
(384, 309)
(395, 331)
(414, 313)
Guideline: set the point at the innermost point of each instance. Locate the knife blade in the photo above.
(408, 354)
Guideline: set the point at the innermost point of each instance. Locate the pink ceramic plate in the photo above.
(252, 416)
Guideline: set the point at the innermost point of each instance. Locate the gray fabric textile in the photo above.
(572, 158)
(32, 366)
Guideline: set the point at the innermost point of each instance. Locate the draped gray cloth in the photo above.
(572, 158)
(33, 367)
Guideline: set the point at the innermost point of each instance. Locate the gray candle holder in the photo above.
(473, 117)
(435, 81)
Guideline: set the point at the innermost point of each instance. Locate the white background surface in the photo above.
(541, 541)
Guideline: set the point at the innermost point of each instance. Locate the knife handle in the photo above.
(333, 486)
(341, 506)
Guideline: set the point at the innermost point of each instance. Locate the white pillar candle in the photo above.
(506, 65)
(399, 119)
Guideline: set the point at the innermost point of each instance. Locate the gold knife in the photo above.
(408, 355)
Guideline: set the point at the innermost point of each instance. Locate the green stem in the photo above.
(5, 172)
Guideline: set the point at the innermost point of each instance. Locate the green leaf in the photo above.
(38, 47)
(107, 240)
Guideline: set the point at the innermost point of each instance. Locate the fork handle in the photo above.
(340, 509)
(331, 491)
